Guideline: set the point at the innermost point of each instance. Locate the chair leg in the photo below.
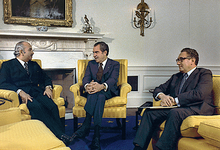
(118, 122)
(63, 123)
(75, 124)
(123, 128)
(137, 113)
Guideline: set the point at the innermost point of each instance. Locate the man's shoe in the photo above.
(137, 148)
(66, 139)
(81, 133)
(95, 144)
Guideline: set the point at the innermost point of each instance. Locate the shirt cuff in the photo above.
(49, 86)
(177, 101)
(18, 91)
(158, 95)
(106, 87)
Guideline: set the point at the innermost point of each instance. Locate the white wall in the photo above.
(178, 24)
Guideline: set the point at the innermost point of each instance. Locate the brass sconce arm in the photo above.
(142, 12)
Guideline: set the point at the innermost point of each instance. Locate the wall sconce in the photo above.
(142, 12)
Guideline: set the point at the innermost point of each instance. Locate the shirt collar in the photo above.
(21, 61)
(104, 63)
(189, 72)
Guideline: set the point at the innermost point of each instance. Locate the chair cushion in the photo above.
(216, 93)
(109, 112)
(11, 115)
(210, 131)
(194, 144)
(113, 102)
(191, 124)
(30, 134)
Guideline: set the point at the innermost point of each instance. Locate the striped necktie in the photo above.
(26, 67)
(185, 75)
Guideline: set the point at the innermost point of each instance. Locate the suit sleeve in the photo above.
(113, 78)
(163, 88)
(88, 75)
(44, 79)
(5, 78)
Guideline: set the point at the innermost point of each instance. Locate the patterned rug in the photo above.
(111, 139)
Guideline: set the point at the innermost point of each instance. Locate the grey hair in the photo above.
(19, 46)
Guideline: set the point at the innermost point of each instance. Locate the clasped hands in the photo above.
(166, 100)
(94, 87)
(25, 97)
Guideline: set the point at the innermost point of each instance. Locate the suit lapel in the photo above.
(30, 68)
(94, 68)
(107, 66)
(189, 79)
(19, 66)
(178, 82)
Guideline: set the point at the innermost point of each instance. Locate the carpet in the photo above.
(110, 138)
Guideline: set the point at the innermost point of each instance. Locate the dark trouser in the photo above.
(153, 118)
(44, 109)
(95, 106)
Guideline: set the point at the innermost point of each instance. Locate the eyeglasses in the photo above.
(182, 59)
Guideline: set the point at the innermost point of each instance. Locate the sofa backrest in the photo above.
(216, 92)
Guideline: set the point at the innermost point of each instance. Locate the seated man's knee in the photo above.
(101, 97)
(174, 113)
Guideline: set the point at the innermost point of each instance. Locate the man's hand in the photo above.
(48, 92)
(94, 87)
(166, 100)
(25, 97)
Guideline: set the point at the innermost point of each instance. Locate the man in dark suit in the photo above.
(190, 90)
(100, 82)
(33, 87)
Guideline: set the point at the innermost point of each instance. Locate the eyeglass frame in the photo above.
(181, 59)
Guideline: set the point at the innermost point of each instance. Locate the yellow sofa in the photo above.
(25, 135)
(11, 99)
(114, 107)
(199, 132)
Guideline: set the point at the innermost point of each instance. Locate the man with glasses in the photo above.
(190, 90)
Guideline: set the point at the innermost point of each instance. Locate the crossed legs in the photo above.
(151, 121)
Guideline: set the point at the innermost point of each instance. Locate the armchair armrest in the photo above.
(75, 88)
(125, 88)
(57, 89)
(24, 109)
(10, 96)
(11, 115)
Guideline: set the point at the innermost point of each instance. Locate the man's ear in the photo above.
(194, 60)
(105, 52)
(21, 52)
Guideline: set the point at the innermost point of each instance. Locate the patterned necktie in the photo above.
(185, 75)
(26, 67)
(100, 72)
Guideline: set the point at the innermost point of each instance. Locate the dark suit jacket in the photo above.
(196, 92)
(13, 76)
(110, 76)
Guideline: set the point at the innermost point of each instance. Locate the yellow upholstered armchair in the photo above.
(199, 132)
(11, 99)
(114, 107)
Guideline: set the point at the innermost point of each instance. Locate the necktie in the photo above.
(100, 72)
(185, 75)
(26, 67)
